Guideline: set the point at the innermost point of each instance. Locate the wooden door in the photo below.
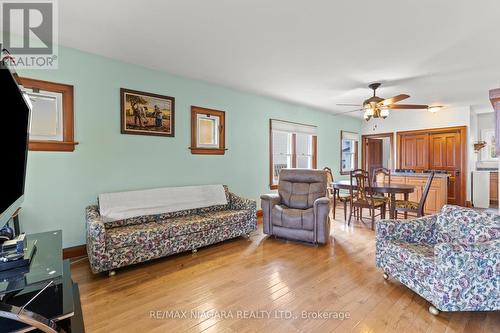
(445, 154)
(375, 155)
(414, 152)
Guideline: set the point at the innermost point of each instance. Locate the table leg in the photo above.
(392, 210)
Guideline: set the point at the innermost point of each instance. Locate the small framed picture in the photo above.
(488, 153)
(207, 131)
(144, 113)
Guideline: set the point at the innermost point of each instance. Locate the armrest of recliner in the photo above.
(267, 202)
(322, 226)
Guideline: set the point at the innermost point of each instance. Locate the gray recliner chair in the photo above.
(300, 209)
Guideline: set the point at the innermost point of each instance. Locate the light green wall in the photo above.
(60, 185)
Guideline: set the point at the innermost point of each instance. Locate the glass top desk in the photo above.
(41, 295)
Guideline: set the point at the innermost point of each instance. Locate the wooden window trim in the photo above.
(294, 154)
(68, 144)
(356, 153)
(195, 110)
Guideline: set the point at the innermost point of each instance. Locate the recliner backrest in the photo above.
(299, 188)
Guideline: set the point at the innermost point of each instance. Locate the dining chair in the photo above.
(407, 206)
(362, 196)
(335, 194)
(382, 175)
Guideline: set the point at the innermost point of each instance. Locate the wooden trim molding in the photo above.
(68, 144)
(364, 142)
(221, 150)
(75, 252)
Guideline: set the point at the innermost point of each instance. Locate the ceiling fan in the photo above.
(377, 107)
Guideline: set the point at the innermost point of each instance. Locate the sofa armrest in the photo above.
(468, 276)
(239, 203)
(96, 238)
(419, 230)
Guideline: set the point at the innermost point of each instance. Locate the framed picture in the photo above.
(207, 131)
(147, 114)
(488, 153)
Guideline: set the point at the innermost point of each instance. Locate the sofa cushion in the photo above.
(195, 223)
(465, 225)
(417, 257)
(293, 218)
(132, 235)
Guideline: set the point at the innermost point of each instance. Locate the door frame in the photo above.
(462, 130)
(364, 143)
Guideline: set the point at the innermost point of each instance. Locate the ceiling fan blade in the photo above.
(351, 111)
(347, 104)
(394, 99)
(408, 106)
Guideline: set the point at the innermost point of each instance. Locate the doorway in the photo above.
(377, 152)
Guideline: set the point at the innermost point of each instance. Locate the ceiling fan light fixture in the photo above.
(434, 109)
(366, 116)
(384, 113)
(369, 111)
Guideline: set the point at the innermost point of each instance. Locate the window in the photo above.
(348, 152)
(51, 124)
(207, 131)
(292, 145)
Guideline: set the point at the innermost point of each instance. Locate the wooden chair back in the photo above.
(361, 189)
(427, 187)
(382, 175)
(329, 179)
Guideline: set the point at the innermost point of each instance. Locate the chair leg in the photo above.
(334, 205)
(345, 211)
(350, 215)
(372, 213)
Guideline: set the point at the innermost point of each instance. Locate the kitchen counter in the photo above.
(418, 174)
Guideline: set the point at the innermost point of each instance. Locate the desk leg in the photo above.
(30, 318)
(392, 209)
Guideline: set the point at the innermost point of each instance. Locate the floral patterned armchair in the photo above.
(452, 259)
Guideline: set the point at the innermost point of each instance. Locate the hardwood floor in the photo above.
(266, 276)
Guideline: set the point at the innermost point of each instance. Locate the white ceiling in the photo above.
(316, 52)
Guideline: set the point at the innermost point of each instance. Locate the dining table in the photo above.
(380, 187)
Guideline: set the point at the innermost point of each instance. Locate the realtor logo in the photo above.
(29, 33)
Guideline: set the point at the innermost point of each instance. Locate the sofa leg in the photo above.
(111, 273)
(386, 276)
(193, 251)
(433, 310)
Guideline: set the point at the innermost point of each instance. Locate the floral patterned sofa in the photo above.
(452, 259)
(121, 243)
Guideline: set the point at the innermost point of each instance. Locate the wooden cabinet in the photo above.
(493, 187)
(415, 152)
(438, 192)
(441, 149)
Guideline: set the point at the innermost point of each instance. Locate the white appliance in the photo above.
(481, 189)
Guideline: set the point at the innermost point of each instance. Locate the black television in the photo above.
(14, 137)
